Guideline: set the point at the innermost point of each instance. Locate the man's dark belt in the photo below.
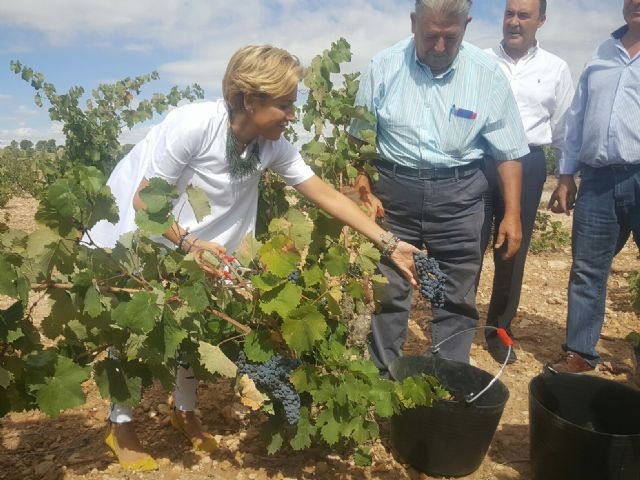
(616, 167)
(428, 173)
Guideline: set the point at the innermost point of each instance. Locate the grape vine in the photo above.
(149, 301)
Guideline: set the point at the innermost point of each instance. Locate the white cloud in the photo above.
(24, 111)
(138, 48)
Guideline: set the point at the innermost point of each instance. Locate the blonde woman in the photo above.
(222, 147)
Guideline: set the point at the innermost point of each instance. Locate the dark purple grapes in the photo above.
(272, 378)
(431, 278)
(354, 270)
(294, 277)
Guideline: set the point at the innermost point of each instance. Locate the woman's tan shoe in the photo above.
(202, 441)
(138, 461)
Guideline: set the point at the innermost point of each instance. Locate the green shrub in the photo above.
(548, 235)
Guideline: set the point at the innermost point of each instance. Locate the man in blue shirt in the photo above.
(603, 143)
(440, 105)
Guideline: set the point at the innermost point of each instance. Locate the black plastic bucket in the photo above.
(583, 427)
(450, 438)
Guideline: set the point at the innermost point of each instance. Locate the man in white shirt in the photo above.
(542, 85)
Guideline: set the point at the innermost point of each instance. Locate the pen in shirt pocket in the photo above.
(462, 113)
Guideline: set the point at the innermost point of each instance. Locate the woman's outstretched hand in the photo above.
(402, 256)
(199, 249)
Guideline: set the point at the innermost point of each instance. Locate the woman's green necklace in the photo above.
(241, 168)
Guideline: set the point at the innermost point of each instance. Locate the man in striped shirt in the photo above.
(440, 105)
(542, 85)
(603, 143)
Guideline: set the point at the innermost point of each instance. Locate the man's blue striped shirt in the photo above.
(449, 120)
(603, 123)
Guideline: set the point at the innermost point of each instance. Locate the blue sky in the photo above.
(85, 42)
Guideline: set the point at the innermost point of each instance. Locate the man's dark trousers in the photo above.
(507, 279)
(445, 215)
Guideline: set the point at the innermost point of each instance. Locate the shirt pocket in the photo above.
(458, 133)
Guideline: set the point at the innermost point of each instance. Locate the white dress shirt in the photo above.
(542, 85)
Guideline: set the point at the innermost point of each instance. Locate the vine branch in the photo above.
(239, 326)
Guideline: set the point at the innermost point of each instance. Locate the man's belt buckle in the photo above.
(426, 173)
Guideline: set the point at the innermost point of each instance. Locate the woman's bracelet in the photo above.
(183, 242)
(388, 244)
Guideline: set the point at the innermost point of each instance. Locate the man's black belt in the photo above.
(429, 173)
(535, 148)
(616, 167)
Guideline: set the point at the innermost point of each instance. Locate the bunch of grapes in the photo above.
(294, 277)
(272, 378)
(354, 270)
(431, 278)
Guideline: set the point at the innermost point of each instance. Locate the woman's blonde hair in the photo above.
(260, 70)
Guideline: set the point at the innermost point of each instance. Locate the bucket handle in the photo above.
(506, 340)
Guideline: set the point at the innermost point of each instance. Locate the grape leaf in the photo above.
(258, 346)
(362, 430)
(266, 282)
(313, 276)
(366, 368)
(64, 389)
(7, 279)
(300, 228)
(362, 457)
(305, 431)
(305, 378)
(156, 224)
(215, 361)
(9, 319)
(139, 314)
(62, 311)
(354, 389)
(303, 328)
(331, 428)
(164, 340)
(248, 250)
(354, 289)
(199, 202)
(38, 241)
(280, 263)
(92, 303)
(416, 391)
(61, 196)
(133, 346)
(196, 296)
(383, 400)
(5, 378)
(157, 196)
(368, 257)
(275, 443)
(282, 300)
(336, 261)
(103, 208)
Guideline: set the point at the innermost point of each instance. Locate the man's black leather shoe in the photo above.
(498, 351)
